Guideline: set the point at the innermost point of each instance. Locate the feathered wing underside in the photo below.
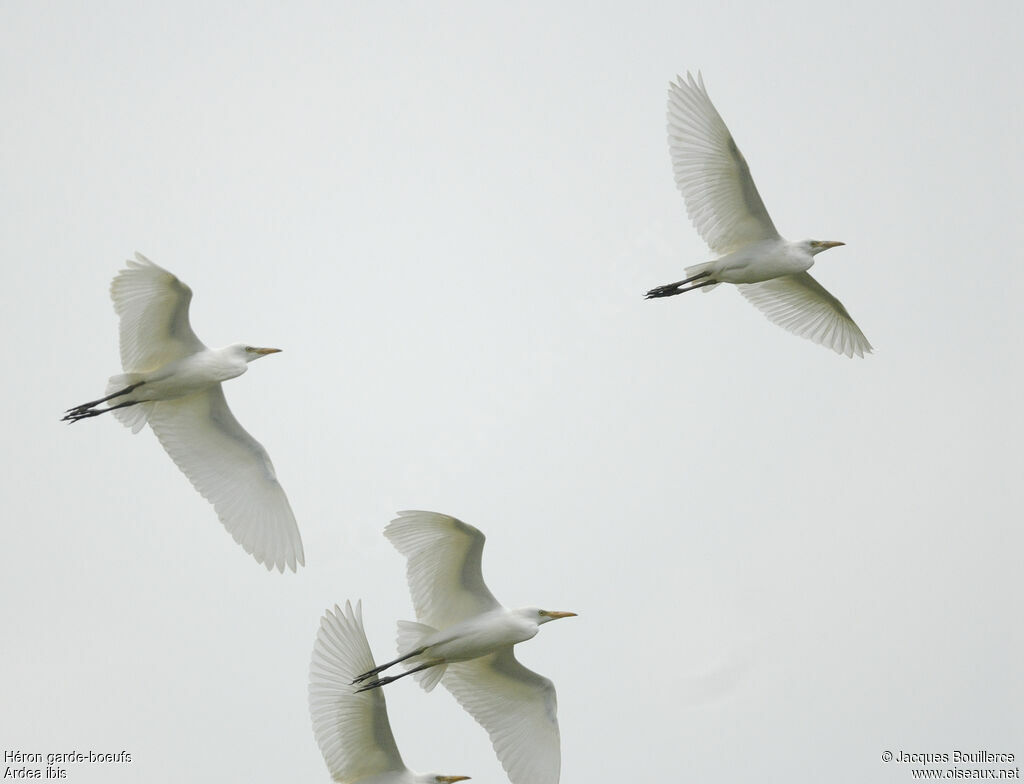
(443, 567)
(711, 173)
(153, 308)
(802, 305)
(518, 709)
(231, 470)
(351, 729)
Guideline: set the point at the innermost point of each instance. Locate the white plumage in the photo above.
(464, 640)
(352, 728)
(172, 381)
(726, 209)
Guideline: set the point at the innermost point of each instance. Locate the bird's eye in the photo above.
(249, 349)
(541, 613)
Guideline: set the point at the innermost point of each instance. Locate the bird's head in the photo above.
(814, 247)
(249, 353)
(543, 616)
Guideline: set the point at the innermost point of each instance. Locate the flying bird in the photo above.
(172, 381)
(464, 640)
(352, 729)
(726, 209)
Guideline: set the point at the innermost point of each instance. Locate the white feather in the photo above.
(711, 173)
(232, 471)
(802, 305)
(443, 567)
(518, 709)
(153, 307)
(351, 729)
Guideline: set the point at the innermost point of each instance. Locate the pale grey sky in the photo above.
(784, 562)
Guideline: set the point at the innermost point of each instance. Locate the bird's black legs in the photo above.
(378, 683)
(120, 392)
(382, 667)
(86, 410)
(671, 289)
(74, 414)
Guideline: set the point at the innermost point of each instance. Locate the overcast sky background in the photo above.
(784, 561)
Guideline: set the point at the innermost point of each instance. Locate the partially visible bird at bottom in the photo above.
(464, 639)
(172, 381)
(726, 209)
(352, 728)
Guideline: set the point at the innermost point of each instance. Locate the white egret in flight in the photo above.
(352, 729)
(172, 381)
(726, 209)
(464, 640)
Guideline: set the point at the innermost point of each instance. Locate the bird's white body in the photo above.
(190, 374)
(480, 635)
(464, 639)
(399, 777)
(172, 382)
(352, 728)
(760, 261)
(726, 209)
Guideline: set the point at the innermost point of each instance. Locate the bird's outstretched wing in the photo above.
(352, 729)
(721, 198)
(232, 471)
(153, 307)
(443, 567)
(802, 305)
(518, 709)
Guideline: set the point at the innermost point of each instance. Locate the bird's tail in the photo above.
(697, 277)
(135, 416)
(699, 269)
(411, 635)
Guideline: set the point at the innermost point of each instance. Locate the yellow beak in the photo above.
(450, 779)
(276, 350)
(556, 614)
(830, 244)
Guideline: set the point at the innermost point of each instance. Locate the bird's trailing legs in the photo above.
(74, 414)
(111, 396)
(381, 681)
(382, 667)
(86, 410)
(671, 289)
